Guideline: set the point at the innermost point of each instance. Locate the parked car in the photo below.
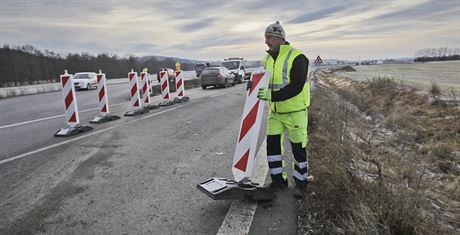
(171, 75)
(216, 76)
(85, 80)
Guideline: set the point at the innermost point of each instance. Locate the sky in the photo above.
(213, 30)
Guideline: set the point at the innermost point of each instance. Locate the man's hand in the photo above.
(264, 94)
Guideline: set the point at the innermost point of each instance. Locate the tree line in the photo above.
(26, 65)
(437, 54)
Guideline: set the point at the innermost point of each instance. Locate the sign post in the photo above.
(317, 63)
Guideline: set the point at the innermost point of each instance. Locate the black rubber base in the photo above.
(69, 131)
(152, 106)
(181, 100)
(166, 103)
(106, 118)
(224, 189)
(137, 112)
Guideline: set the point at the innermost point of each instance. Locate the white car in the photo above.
(85, 80)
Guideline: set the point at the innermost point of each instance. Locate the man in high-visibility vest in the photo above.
(288, 95)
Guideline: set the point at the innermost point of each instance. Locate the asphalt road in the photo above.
(136, 175)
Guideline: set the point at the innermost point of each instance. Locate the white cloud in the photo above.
(218, 29)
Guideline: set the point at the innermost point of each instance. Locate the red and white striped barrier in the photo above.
(135, 96)
(180, 87)
(134, 90)
(145, 88)
(149, 79)
(164, 83)
(103, 100)
(249, 129)
(102, 94)
(241, 188)
(71, 108)
(70, 100)
(180, 84)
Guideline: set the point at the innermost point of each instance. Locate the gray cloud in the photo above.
(200, 24)
(201, 29)
(431, 10)
(323, 13)
(204, 43)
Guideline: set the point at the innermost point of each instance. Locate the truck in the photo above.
(236, 65)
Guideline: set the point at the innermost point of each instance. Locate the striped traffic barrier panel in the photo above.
(180, 88)
(149, 78)
(249, 129)
(241, 187)
(103, 101)
(164, 84)
(71, 108)
(145, 89)
(134, 95)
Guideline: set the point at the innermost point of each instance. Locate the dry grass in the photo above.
(435, 90)
(394, 172)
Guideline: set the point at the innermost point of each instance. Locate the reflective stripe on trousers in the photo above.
(275, 161)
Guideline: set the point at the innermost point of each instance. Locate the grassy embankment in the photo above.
(386, 160)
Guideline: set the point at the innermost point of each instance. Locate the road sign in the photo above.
(318, 60)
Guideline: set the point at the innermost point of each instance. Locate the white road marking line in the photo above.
(241, 213)
(51, 117)
(219, 94)
(78, 138)
(80, 111)
(89, 134)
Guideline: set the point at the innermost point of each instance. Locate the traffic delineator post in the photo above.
(150, 85)
(103, 101)
(136, 105)
(164, 84)
(180, 88)
(71, 108)
(249, 129)
(145, 88)
(243, 162)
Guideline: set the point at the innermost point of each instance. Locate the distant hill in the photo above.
(163, 58)
(252, 63)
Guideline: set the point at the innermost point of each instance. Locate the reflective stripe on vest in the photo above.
(284, 73)
(285, 66)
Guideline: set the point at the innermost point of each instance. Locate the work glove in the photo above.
(264, 94)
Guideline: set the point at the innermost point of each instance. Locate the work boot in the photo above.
(277, 186)
(299, 192)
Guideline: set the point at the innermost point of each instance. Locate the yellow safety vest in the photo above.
(280, 76)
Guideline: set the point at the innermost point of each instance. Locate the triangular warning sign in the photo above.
(318, 60)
